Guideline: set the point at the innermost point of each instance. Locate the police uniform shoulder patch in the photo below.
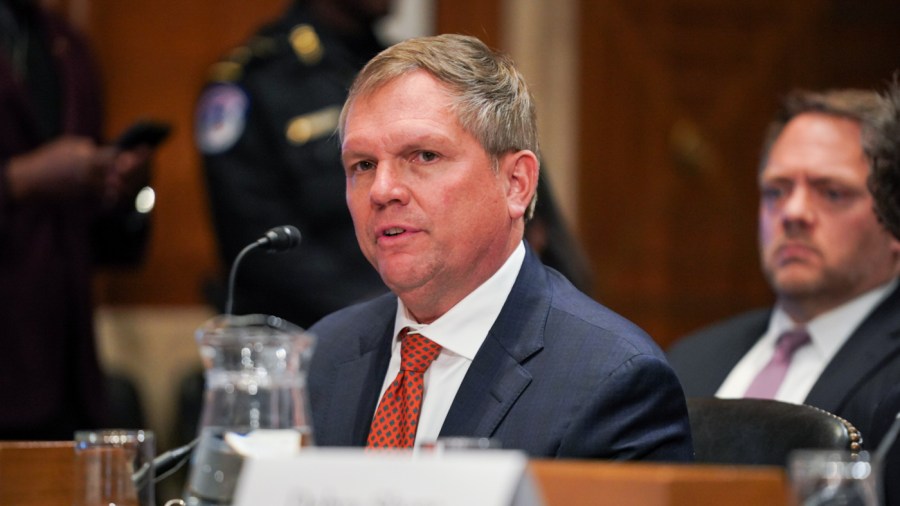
(221, 117)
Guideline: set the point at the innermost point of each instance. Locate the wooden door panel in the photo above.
(675, 98)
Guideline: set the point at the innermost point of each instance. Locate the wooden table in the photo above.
(632, 483)
(37, 473)
(42, 473)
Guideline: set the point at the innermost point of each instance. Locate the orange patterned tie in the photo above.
(397, 416)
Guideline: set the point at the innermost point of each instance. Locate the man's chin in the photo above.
(797, 286)
(401, 280)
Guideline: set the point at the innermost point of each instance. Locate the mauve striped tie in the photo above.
(769, 379)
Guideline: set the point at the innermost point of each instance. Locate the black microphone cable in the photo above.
(164, 465)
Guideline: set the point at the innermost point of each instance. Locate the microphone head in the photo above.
(281, 238)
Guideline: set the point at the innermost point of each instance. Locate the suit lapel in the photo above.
(875, 341)
(357, 383)
(496, 378)
(729, 348)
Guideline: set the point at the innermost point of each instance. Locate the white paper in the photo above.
(358, 477)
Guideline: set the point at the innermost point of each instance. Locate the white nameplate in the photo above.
(356, 477)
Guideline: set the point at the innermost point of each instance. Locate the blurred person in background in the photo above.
(67, 202)
(830, 261)
(265, 128)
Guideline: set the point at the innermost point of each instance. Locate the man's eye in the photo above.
(770, 193)
(427, 156)
(834, 194)
(363, 166)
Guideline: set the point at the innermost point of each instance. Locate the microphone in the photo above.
(281, 238)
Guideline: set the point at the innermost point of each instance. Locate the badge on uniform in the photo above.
(221, 117)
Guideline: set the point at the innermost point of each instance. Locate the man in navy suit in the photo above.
(830, 261)
(439, 147)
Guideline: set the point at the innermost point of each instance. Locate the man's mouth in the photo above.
(795, 251)
(391, 232)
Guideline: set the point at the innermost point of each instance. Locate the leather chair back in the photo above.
(763, 432)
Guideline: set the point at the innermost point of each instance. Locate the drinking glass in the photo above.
(114, 467)
(832, 478)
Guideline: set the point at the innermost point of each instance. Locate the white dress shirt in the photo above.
(828, 332)
(460, 332)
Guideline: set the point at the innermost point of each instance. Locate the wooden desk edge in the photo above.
(39, 472)
(584, 482)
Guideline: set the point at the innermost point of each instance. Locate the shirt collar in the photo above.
(831, 329)
(464, 327)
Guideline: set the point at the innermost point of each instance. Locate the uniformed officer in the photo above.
(265, 128)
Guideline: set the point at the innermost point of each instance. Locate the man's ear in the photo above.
(520, 170)
(895, 246)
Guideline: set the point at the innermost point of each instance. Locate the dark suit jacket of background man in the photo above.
(865, 368)
(557, 376)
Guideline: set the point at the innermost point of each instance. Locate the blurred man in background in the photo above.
(831, 339)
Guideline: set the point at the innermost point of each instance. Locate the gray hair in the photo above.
(490, 98)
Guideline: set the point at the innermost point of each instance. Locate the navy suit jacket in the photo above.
(852, 385)
(558, 375)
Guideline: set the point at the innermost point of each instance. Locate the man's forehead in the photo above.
(817, 174)
(409, 97)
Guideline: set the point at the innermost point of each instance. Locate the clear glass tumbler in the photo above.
(114, 467)
(833, 478)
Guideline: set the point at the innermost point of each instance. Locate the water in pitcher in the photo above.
(255, 399)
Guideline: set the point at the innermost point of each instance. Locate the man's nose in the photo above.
(389, 184)
(798, 207)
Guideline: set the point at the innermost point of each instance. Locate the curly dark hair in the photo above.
(884, 181)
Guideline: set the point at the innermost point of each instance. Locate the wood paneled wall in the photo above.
(480, 19)
(674, 96)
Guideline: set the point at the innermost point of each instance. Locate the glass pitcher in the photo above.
(255, 368)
